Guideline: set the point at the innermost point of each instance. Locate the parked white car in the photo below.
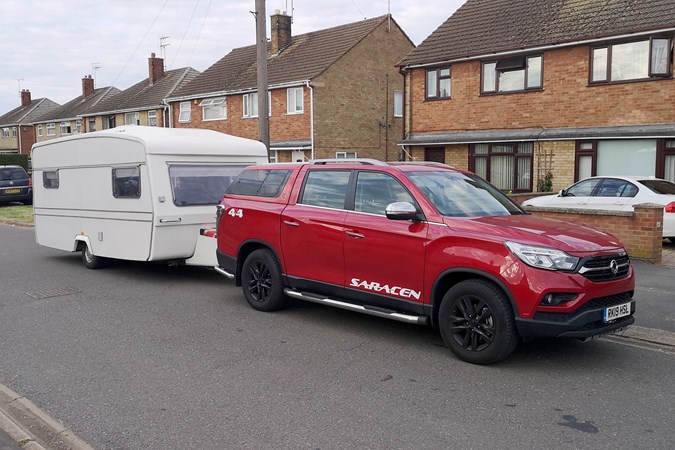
(618, 193)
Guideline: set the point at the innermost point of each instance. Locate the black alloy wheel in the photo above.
(477, 322)
(261, 281)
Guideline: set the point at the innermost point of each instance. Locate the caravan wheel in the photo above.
(90, 260)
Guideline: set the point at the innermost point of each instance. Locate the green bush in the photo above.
(14, 160)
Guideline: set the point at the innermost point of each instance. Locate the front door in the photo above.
(383, 257)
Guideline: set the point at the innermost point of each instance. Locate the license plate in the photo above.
(12, 191)
(616, 312)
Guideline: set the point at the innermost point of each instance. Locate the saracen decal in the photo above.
(385, 288)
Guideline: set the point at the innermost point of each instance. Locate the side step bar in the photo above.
(222, 271)
(370, 310)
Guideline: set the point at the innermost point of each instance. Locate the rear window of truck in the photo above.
(260, 183)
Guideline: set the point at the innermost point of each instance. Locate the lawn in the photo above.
(17, 214)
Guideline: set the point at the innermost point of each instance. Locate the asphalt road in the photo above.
(142, 356)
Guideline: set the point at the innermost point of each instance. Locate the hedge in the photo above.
(14, 160)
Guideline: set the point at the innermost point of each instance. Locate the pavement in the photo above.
(25, 426)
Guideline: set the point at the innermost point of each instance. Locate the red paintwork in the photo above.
(414, 255)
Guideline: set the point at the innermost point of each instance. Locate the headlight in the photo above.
(543, 257)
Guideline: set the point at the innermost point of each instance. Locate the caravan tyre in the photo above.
(90, 260)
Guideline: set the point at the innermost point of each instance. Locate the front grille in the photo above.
(596, 303)
(599, 268)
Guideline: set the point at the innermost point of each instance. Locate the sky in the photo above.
(47, 47)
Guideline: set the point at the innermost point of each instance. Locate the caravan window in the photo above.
(126, 182)
(50, 179)
(203, 184)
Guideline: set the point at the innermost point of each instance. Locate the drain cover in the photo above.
(49, 293)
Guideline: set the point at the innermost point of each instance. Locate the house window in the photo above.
(66, 128)
(109, 122)
(506, 165)
(295, 100)
(650, 58)
(398, 103)
(439, 83)
(643, 157)
(78, 126)
(39, 131)
(13, 132)
(512, 74)
(5, 133)
(92, 124)
(126, 182)
(51, 129)
(152, 118)
(214, 108)
(132, 118)
(185, 111)
(250, 105)
(346, 155)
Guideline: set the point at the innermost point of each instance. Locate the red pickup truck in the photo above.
(421, 243)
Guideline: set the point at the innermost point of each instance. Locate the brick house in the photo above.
(142, 103)
(516, 90)
(332, 92)
(67, 118)
(18, 134)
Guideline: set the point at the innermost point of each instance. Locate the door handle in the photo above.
(170, 220)
(291, 224)
(355, 235)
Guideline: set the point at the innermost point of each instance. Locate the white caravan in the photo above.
(136, 193)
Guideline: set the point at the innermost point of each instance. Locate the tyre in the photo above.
(28, 202)
(90, 260)
(261, 281)
(476, 322)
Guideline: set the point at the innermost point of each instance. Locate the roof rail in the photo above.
(420, 163)
(364, 161)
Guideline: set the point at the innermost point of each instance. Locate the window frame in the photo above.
(292, 93)
(51, 129)
(213, 104)
(398, 104)
(473, 156)
(438, 79)
(67, 127)
(115, 189)
(134, 116)
(152, 118)
(50, 182)
(651, 75)
(508, 65)
(92, 124)
(5, 132)
(39, 130)
(345, 155)
(184, 112)
(247, 104)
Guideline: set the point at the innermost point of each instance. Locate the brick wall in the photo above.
(355, 98)
(566, 100)
(640, 230)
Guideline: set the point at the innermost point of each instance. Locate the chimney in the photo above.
(87, 86)
(281, 30)
(156, 69)
(25, 97)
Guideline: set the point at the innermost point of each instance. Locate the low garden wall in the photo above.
(640, 231)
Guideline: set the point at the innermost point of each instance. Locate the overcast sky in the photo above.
(51, 45)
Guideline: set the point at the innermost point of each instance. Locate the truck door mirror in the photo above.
(401, 211)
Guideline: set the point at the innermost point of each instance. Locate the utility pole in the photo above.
(261, 47)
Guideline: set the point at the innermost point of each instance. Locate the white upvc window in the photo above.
(132, 118)
(78, 126)
(5, 133)
(346, 155)
(398, 103)
(66, 128)
(13, 131)
(152, 118)
(185, 111)
(39, 131)
(92, 124)
(214, 108)
(295, 100)
(51, 129)
(250, 104)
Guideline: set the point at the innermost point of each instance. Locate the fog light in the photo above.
(556, 299)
